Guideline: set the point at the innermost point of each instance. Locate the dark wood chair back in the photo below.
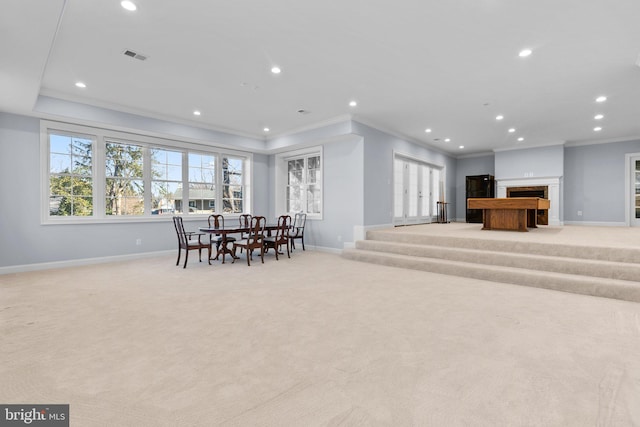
(297, 230)
(245, 222)
(281, 237)
(187, 241)
(254, 239)
(216, 220)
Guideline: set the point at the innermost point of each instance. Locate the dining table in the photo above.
(231, 229)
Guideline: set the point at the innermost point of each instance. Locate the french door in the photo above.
(635, 191)
(416, 190)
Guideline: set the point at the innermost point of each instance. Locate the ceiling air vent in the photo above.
(135, 55)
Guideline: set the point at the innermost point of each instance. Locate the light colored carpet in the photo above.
(316, 340)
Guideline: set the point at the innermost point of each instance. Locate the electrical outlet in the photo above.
(138, 242)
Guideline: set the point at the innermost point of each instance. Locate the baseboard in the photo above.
(80, 262)
(597, 223)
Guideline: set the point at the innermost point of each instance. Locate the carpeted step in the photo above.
(596, 286)
(629, 255)
(589, 267)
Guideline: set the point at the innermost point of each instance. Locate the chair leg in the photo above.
(262, 253)
(200, 254)
(179, 252)
(248, 256)
(275, 249)
(186, 258)
(209, 256)
(288, 253)
(302, 238)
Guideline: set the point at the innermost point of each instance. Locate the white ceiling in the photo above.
(451, 66)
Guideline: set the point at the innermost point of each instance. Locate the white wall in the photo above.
(530, 163)
(594, 182)
(378, 172)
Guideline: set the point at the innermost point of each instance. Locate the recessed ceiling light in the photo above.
(500, 117)
(266, 129)
(353, 104)
(81, 85)
(129, 5)
(598, 117)
(276, 70)
(196, 113)
(597, 128)
(601, 98)
(447, 139)
(525, 52)
(512, 130)
(461, 147)
(521, 139)
(427, 130)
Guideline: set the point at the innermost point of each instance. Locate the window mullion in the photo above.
(146, 179)
(99, 177)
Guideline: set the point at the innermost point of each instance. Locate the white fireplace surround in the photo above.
(553, 184)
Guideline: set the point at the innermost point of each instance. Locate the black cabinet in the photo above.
(479, 186)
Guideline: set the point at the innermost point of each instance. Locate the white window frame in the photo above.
(281, 163)
(100, 136)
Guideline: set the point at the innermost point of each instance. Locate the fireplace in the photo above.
(541, 191)
(552, 185)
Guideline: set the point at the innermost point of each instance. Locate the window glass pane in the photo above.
(124, 187)
(166, 176)
(294, 199)
(232, 199)
(202, 184)
(59, 163)
(59, 144)
(295, 168)
(70, 179)
(124, 196)
(232, 191)
(313, 168)
(313, 199)
(201, 198)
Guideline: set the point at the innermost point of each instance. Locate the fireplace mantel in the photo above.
(553, 184)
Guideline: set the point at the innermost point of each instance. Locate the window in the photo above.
(70, 175)
(124, 184)
(98, 175)
(202, 183)
(166, 179)
(232, 185)
(300, 182)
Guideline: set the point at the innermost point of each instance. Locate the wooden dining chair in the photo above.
(281, 237)
(245, 222)
(254, 239)
(297, 230)
(187, 241)
(217, 221)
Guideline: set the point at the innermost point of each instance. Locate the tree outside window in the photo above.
(232, 185)
(124, 191)
(70, 176)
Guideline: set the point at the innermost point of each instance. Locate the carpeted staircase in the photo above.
(598, 271)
